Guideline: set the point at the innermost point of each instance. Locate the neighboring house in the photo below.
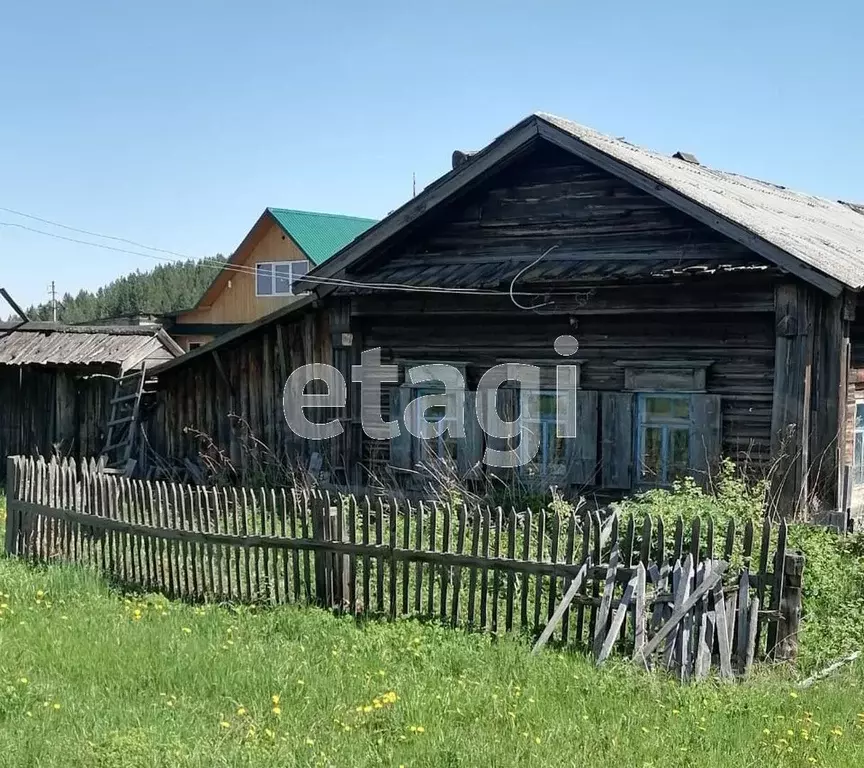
(716, 315)
(259, 277)
(57, 383)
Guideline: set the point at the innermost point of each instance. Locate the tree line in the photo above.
(166, 288)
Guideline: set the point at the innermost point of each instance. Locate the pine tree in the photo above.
(164, 289)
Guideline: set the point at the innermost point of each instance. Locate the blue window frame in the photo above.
(663, 437)
(550, 462)
(858, 455)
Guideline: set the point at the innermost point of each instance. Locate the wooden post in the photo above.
(827, 436)
(790, 414)
(12, 514)
(790, 607)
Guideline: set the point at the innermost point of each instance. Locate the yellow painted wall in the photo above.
(237, 303)
(185, 341)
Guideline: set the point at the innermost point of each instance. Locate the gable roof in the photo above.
(318, 235)
(36, 343)
(818, 240)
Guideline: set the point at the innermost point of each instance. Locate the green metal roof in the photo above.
(320, 235)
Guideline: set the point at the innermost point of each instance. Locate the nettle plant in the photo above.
(732, 496)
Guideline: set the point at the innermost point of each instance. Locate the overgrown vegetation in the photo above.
(91, 677)
(166, 288)
(88, 678)
(833, 573)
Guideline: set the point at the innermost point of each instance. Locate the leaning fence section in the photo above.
(685, 597)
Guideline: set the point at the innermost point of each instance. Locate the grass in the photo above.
(90, 677)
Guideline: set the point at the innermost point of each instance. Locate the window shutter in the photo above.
(706, 438)
(617, 439)
(400, 447)
(582, 449)
(470, 451)
(507, 406)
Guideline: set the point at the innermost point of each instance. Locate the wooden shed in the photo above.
(226, 397)
(57, 383)
(714, 315)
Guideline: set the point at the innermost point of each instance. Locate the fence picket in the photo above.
(203, 543)
(484, 569)
(568, 559)
(392, 565)
(445, 547)
(457, 570)
(406, 564)
(379, 563)
(496, 572)
(538, 578)
(418, 570)
(475, 552)
(430, 586)
(527, 530)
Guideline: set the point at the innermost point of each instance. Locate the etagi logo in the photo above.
(449, 395)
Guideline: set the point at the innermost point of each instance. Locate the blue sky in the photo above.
(176, 123)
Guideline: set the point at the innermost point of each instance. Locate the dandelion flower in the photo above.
(23, 681)
(310, 742)
(187, 630)
(225, 724)
(57, 706)
(241, 711)
(836, 731)
(277, 711)
(793, 695)
(275, 699)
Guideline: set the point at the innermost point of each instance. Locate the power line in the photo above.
(221, 266)
(93, 234)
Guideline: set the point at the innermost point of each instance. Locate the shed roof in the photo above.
(35, 343)
(819, 240)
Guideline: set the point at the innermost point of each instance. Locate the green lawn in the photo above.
(88, 678)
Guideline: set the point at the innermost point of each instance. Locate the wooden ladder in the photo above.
(123, 425)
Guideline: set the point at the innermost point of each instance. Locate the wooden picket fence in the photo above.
(683, 599)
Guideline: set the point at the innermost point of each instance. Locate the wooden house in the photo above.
(260, 275)
(716, 315)
(57, 383)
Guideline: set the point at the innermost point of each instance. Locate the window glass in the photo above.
(300, 268)
(652, 453)
(264, 279)
(663, 438)
(282, 285)
(550, 462)
(679, 452)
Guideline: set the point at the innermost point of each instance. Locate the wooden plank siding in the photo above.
(741, 346)
(47, 410)
(229, 403)
(634, 280)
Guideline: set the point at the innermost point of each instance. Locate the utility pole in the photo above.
(53, 302)
(413, 185)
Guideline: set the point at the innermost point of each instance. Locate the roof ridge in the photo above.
(272, 208)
